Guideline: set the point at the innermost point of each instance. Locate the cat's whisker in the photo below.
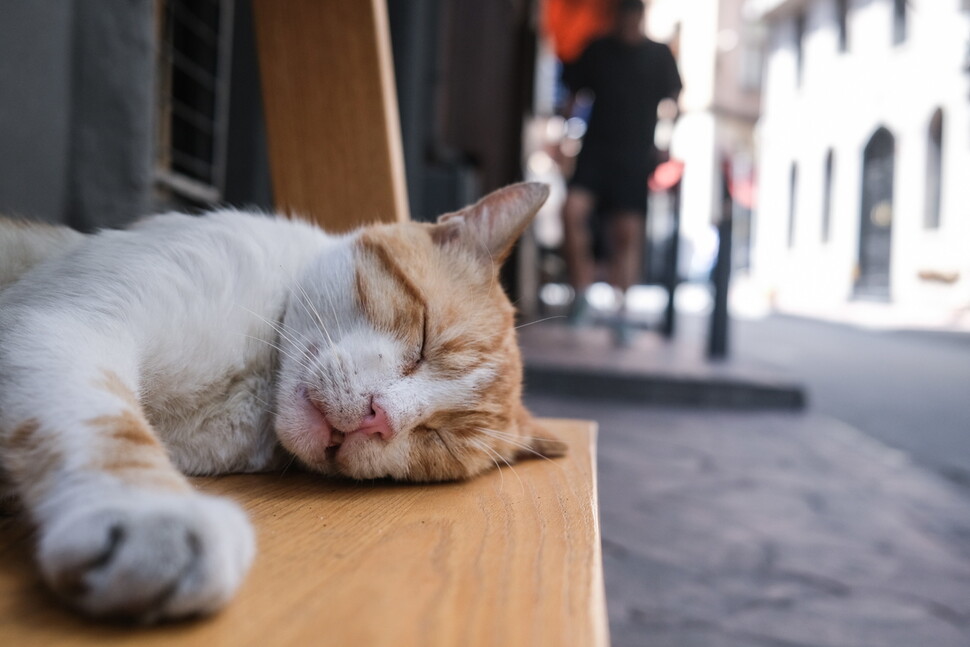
(307, 342)
(505, 434)
(507, 438)
(310, 313)
(516, 441)
(493, 452)
(303, 345)
(312, 310)
(333, 309)
(281, 330)
(484, 449)
(269, 406)
(307, 360)
(300, 361)
(303, 350)
(314, 313)
(540, 321)
(288, 465)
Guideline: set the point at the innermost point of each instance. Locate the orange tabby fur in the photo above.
(406, 278)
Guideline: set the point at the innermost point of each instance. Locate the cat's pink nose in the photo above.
(375, 423)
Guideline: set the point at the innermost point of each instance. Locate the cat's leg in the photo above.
(120, 531)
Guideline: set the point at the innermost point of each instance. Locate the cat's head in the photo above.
(399, 354)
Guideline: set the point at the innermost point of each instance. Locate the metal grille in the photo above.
(194, 46)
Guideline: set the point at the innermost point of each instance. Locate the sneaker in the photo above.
(579, 312)
(623, 333)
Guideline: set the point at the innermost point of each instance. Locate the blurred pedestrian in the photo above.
(629, 75)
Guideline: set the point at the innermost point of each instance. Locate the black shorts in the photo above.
(619, 181)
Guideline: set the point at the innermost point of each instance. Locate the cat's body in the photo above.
(202, 345)
(233, 343)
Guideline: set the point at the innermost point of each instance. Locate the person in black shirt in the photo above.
(629, 75)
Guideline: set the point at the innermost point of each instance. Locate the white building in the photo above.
(719, 54)
(864, 152)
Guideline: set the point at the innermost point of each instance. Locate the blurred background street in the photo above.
(843, 524)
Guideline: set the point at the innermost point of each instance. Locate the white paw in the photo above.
(148, 556)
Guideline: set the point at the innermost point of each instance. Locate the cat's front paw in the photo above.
(149, 556)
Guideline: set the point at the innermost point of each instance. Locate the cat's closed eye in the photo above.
(420, 353)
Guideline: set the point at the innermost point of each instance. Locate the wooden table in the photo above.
(509, 558)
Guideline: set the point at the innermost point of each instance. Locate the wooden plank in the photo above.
(509, 558)
(331, 111)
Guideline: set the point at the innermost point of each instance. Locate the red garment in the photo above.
(572, 24)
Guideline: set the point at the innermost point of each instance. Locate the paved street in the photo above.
(726, 529)
(909, 389)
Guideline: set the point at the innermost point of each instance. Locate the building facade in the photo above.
(719, 54)
(864, 145)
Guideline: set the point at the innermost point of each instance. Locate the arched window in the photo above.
(842, 14)
(934, 171)
(827, 197)
(899, 21)
(799, 48)
(873, 279)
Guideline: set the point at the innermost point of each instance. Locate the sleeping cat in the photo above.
(236, 342)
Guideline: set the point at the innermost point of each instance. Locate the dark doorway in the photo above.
(875, 232)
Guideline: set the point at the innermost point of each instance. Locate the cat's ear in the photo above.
(537, 442)
(492, 225)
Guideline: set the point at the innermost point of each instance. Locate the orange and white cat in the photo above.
(233, 342)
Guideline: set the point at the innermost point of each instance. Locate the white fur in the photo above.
(182, 309)
(176, 555)
(25, 245)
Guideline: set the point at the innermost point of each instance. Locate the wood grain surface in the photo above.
(332, 122)
(509, 558)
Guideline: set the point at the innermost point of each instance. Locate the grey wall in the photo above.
(247, 160)
(35, 93)
(76, 88)
(112, 112)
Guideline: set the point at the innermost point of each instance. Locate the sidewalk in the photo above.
(747, 295)
(731, 529)
(583, 361)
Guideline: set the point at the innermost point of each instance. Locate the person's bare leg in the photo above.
(626, 249)
(626, 232)
(577, 246)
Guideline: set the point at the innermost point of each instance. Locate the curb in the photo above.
(666, 390)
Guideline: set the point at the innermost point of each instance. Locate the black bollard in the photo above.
(672, 259)
(718, 344)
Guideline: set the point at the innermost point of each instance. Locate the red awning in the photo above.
(571, 24)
